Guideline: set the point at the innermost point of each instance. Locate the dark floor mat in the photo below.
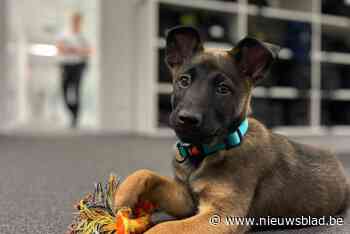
(41, 177)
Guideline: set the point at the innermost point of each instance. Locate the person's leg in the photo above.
(68, 84)
(75, 103)
(79, 69)
(66, 75)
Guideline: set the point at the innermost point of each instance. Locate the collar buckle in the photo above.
(186, 149)
(232, 140)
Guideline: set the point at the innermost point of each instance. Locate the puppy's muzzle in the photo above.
(187, 119)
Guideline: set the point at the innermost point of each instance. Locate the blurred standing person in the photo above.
(74, 52)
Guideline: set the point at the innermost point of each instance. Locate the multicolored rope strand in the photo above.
(97, 214)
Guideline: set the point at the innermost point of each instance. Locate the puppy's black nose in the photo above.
(189, 119)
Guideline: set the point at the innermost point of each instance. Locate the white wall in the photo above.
(128, 65)
(122, 33)
(13, 59)
(33, 81)
(117, 64)
(4, 110)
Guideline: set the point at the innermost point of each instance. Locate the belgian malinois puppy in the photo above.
(227, 164)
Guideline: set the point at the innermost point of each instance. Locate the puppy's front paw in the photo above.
(134, 189)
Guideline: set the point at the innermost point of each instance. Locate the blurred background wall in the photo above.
(127, 86)
(31, 96)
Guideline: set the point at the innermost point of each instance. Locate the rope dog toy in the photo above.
(97, 214)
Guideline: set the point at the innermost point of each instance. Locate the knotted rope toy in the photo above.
(97, 214)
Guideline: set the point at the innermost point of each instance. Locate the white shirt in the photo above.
(73, 40)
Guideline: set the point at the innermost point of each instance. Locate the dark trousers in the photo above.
(71, 79)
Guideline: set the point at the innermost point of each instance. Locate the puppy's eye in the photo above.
(184, 81)
(223, 89)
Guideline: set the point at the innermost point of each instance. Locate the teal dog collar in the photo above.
(233, 139)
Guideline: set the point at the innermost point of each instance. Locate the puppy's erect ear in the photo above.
(182, 43)
(254, 58)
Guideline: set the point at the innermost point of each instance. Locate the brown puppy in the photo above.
(261, 174)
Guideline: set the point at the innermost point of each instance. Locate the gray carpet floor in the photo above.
(41, 177)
